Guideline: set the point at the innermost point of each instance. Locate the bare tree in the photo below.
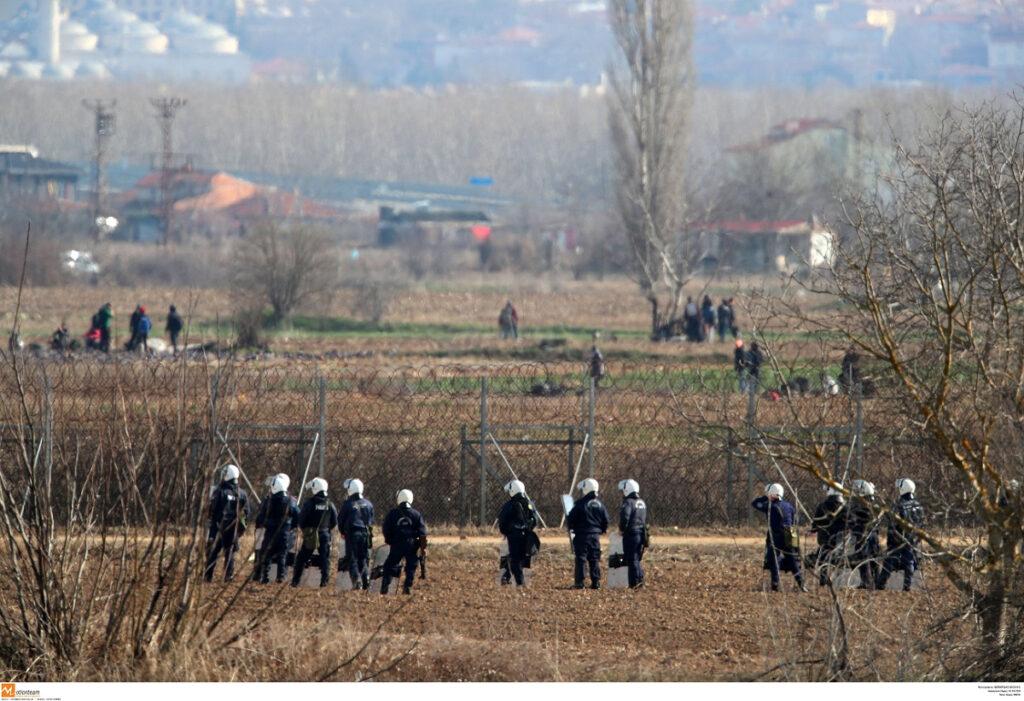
(652, 80)
(287, 264)
(931, 280)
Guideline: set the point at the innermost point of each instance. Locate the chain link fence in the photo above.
(699, 448)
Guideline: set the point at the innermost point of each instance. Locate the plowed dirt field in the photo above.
(704, 616)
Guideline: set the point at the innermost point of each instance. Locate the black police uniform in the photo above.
(632, 518)
(778, 556)
(829, 524)
(515, 521)
(279, 516)
(229, 512)
(587, 520)
(320, 514)
(405, 531)
(862, 518)
(900, 544)
(355, 522)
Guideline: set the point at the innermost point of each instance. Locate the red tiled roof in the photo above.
(785, 131)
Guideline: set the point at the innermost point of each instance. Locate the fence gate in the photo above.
(505, 452)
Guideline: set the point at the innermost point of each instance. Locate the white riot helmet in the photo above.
(404, 496)
(229, 473)
(863, 488)
(317, 485)
(629, 487)
(774, 490)
(354, 486)
(905, 486)
(834, 491)
(280, 483)
(515, 487)
(588, 485)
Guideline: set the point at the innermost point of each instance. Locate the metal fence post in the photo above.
(48, 429)
(323, 423)
(752, 436)
(590, 427)
(213, 410)
(483, 451)
(860, 430)
(463, 491)
(730, 506)
(572, 455)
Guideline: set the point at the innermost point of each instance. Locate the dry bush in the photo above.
(44, 266)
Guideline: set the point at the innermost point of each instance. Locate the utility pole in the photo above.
(166, 108)
(106, 124)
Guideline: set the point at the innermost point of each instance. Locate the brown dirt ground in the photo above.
(704, 616)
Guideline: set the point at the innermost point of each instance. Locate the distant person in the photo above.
(863, 520)
(174, 327)
(595, 364)
(133, 325)
(851, 370)
(142, 328)
(739, 364)
(691, 315)
(229, 514)
(60, 341)
(105, 322)
(317, 520)
(755, 359)
(406, 532)
(782, 553)
(279, 516)
(901, 540)
(508, 321)
(829, 525)
(587, 521)
(633, 527)
(709, 317)
(355, 521)
(516, 522)
(725, 319)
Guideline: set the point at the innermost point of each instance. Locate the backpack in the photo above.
(144, 325)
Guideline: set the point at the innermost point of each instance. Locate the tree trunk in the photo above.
(654, 315)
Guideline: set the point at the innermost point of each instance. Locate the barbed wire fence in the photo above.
(453, 434)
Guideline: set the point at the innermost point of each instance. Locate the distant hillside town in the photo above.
(536, 43)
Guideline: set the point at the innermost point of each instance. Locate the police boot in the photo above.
(800, 585)
(775, 586)
(355, 582)
(595, 584)
(406, 589)
(366, 582)
(324, 579)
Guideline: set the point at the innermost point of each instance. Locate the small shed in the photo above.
(764, 246)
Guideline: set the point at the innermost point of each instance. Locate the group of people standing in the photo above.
(704, 322)
(101, 327)
(587, 521)
(833, 519)
(283, 521)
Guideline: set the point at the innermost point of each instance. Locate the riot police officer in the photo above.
(279, 515)
(829, 524)
(406, 533)
(229, 514)
(900, 540)
(862, 519)
(516, 521)
(356, 525)
(781, 551)
(587, 521)
(632, 522)
(317, 520)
